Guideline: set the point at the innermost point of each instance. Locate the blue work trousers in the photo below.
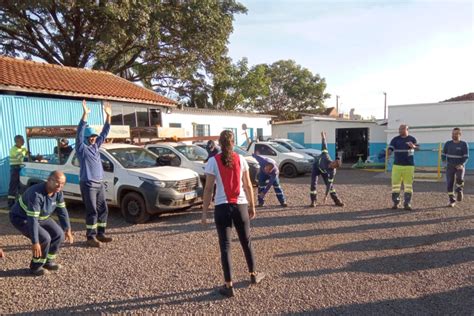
(93, 197)
(262, 183)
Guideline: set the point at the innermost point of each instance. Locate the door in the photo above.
(109, 178)
(352, 143)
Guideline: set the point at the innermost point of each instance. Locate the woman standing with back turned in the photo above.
(230, 173)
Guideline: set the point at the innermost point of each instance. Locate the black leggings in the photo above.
(224, 216)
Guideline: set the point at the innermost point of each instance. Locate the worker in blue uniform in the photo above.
(325, 167)
(403, 171)
(268, 177)
(455, 155)
(91, 176)
(31, 215)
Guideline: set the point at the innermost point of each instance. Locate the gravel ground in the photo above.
(361, 259)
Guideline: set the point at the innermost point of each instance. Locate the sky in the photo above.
(415, 51)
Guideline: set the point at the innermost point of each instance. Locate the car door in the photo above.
(109, 177)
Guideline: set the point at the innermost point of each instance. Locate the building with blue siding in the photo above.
(39, 94)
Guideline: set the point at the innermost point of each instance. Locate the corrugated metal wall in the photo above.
(18, 112)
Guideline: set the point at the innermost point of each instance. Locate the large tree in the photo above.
(282, 88)
(165, 44)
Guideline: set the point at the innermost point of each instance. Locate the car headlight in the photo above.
(158, 183)
(303, 160)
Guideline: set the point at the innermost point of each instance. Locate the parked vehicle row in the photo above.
(161, 177)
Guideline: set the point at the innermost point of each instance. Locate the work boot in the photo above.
(51, 266)
(338, 202)
(407, 199)
(103, 238)
(257, 277)
(459, 196)
(452, 204)
(93, 243)
(260, 205)
(407, 207)
(313, 204)
(227, 291)
(39, 271)
(395, 200)
(284, 204)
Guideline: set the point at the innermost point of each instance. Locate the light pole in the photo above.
(337, 105)
(385, 106)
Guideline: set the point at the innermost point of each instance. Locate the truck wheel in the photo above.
(289, 170)
(134, 208)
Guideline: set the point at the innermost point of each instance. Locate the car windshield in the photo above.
(279, 148)
(134, 157)
(240, 151)
(295, 144)
(193, 152)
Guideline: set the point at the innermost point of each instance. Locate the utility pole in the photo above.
(337, 105)
(385, 106)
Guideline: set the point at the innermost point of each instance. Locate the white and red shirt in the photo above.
(229, 182)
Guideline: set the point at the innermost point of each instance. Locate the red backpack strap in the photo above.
(230, 177)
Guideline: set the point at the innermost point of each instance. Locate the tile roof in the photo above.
(464, 97)
(37, 77)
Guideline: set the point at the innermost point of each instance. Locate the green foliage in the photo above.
(170, 45)
(283, 88)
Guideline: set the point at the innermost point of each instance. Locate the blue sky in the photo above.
(416, 51)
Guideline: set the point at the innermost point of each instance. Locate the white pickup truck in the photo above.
(133, 181)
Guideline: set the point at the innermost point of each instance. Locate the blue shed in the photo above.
(40, 94)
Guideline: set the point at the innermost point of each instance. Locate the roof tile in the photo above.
(37, 77)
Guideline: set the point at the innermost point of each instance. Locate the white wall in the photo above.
(312, 130)
(218, 122)
(433, 122)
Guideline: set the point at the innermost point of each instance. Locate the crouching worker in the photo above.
(326, 168)
(268, 172)
(31, 216)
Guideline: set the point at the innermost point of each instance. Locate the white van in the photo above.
(290, 163)
(132, 178)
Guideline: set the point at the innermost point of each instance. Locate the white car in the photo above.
(132, 180)
(297, 147)
(290, 163)
(181, 155)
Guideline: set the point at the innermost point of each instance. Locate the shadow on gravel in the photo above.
(16, 273)
(398, 264)
(139, 303)
(388, 244)
(351, 229)
(318, 217)
(455, 302)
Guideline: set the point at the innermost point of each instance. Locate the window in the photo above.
(107, 165)
(142, 117)
(155, 117)
(175, 125)
(264, 150)
(233, 130)
(129, 116)
(284, 145)
(166, 156)
(259, 133)
(201, 130)
(117, 115)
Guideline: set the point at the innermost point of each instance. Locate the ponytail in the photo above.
(226, 140)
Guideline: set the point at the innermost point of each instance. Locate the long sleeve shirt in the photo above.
(35, 205)
(17, 155)
(88, 155)
(321, 165)
(455, 153)
(274, 172)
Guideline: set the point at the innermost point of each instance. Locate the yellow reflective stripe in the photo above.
(12, 197)
(39, 260)
(42, 218)
(61, 205)
(51, 256)
(313, 192)
(91, 226)
(324, 151)
(101, 224)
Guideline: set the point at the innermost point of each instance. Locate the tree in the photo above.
(169, 45)
(283, 88)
